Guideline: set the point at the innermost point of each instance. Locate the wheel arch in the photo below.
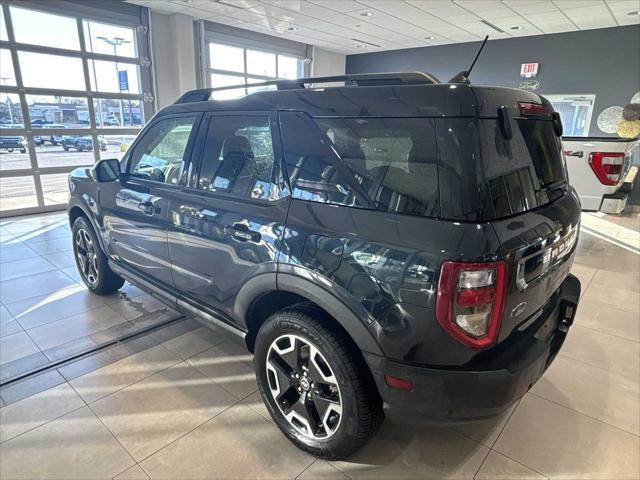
(292, 290)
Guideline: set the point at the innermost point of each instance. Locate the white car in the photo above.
(600, 169)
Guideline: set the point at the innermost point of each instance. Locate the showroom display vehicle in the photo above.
(395, 246)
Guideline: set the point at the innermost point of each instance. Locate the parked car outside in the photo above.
(81, 143)
(396, 247)
(13, 142)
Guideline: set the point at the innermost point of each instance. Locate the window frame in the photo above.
(122, 15)
(277, 177)
(127, 176)
(244, 76)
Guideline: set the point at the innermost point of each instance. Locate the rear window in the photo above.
(484, 176)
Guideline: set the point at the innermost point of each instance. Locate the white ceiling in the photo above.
(342, 25)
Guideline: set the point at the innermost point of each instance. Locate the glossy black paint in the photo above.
(375, 272)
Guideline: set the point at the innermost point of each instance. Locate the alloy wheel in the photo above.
(304, 387)
(87, 256)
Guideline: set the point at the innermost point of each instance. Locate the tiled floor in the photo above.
(46, 312)
(181, 402)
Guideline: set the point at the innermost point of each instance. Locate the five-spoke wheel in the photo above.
(87, 256)
(304, 386)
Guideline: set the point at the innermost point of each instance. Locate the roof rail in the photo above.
(360, 80)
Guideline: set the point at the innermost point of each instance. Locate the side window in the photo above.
(316, 172)
(159, 156)
(238, 156)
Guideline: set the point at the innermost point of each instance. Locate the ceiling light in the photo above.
(361, 45)
(634, 12)
(292, 29)
(430, 37)
(517, 27)
(366, 14)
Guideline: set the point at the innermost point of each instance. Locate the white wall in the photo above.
(174, 56)
(327, 63)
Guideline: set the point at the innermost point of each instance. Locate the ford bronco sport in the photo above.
(393, 246)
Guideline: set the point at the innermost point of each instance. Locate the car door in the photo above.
(135, 208)
(226, 225)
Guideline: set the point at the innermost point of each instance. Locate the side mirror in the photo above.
(107, 170)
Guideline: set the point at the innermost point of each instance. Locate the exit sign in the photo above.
(529, 70)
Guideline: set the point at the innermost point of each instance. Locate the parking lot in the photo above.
(19, 192)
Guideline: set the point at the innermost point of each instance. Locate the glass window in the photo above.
(239, 157)
(109, 39)
(7, 75)
(3, 27)
(46, 111)
(114, 77)
(261, 63)
(219, 80)
(116, 146)
(39, 28)
(575, 112)
(289, 67)
(113, 112)
(10, 111)
(160, 154)
(315, 171)
(13, 152)
(42, 70)
(64, 150)
(17, 192)
(226, 57)
(55, 188)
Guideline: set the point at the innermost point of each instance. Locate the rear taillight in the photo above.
(607, 166)
(469, 301)
(527, 108)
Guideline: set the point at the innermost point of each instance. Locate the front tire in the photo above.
(91, 261)
(315, 384)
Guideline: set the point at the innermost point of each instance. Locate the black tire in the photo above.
(79, 148)
(91, 261)
(65, 148)
(360, 406)
(23, 150)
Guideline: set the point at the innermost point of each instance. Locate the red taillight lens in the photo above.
(607, 166)
(527, 108)
(469, 301)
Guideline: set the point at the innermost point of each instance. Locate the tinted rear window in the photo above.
(484, 176)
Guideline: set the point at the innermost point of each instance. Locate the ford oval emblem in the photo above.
(518, 309)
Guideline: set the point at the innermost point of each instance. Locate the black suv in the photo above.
(396, 245)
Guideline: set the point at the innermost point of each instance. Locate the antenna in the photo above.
(463, 76)
(468, 72)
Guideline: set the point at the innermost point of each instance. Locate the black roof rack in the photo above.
(360, 79)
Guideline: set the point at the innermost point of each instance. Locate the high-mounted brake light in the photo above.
(527, 108)
(607, 166)
(469, 301)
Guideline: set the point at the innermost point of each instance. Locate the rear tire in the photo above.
(329, 408)
(91, 261)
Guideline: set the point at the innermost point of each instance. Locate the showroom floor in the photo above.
(180, 401)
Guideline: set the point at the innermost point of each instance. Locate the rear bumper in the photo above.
(478, 392)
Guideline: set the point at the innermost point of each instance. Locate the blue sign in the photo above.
(123, 80)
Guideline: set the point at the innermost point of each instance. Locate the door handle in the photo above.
(146, 207)
(241, 232)
(570, 153)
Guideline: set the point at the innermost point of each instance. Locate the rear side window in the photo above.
(238, 156)
(389, 161)
(160, 153)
